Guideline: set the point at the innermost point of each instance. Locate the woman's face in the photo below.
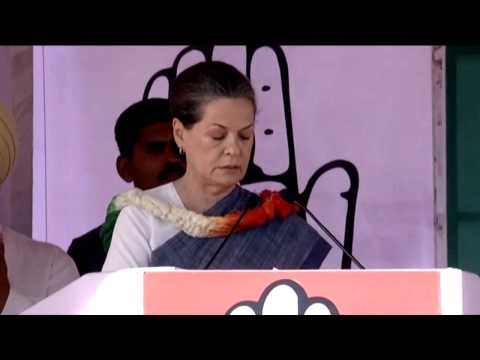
(218, 147)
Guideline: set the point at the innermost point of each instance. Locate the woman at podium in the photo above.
(205, 219)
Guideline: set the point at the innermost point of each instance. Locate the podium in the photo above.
(169, 291)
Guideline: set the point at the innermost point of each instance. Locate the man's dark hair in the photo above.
(136, 117)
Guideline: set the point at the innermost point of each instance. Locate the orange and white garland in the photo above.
(272, 205)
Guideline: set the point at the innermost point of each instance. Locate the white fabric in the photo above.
(35, 270)
(137, 233)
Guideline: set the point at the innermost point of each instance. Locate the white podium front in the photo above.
(172, 291)
(115, 293)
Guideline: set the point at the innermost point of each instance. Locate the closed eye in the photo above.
(218, 138)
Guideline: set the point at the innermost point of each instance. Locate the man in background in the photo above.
(148, 157)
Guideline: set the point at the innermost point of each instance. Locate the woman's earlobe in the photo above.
(177, 131)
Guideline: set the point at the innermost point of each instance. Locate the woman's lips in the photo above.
(230, 167)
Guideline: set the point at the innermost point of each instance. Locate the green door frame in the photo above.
(453, 216)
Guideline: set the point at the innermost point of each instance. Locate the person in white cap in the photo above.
(29, 270)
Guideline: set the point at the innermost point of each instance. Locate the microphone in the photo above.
(287, 195)
(251, 201)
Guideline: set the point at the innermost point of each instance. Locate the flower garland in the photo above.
(272, 206)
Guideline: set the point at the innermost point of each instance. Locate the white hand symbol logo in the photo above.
(285, 297)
